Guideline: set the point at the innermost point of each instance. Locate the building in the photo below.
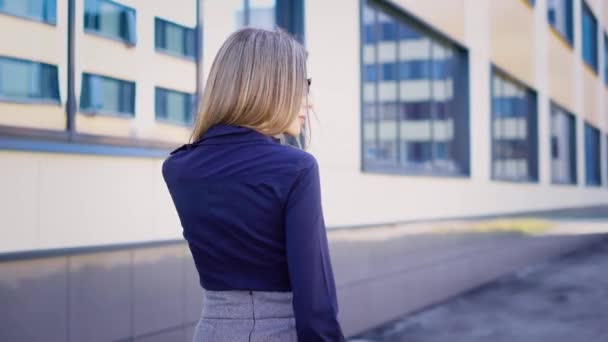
(426, 109)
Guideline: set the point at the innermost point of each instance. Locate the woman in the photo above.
(250, 207)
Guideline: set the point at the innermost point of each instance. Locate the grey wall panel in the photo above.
(33, 300)
(100, 291)
(193, 295)
(159, 296)
(189, 332)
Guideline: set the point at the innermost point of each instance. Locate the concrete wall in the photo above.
(53, 201)
(350, 196)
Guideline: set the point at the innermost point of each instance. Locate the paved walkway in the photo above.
(563, 300)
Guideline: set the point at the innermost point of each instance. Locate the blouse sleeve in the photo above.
(310, 271)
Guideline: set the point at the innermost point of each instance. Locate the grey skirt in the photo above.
(244, 316)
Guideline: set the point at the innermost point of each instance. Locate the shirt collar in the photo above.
(225, 133)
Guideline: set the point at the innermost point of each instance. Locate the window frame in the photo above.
(589, 182)
(463, 112)
(586, 8)
(191, 97)
(100, 33)
(106, 112)
(288, 14)
(51, 21)
(572, 140)
(569, 37)
(184, 30)
(532, 177)
(31, 100)
(605, 41)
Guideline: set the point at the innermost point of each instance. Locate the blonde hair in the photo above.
(257, 80)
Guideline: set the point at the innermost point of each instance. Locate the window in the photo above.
(174, 39)
(111, 20)
(589, 32)
(257, 13)
(41, 10)
(561, 16)
(101, 94)
(514, 133)
(174, 106)
(563, 146)
(531, 2)
(414, 97)
(592, 155)
(22, 80)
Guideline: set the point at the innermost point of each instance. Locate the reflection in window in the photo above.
(561, 16)
(22, 80)
(257, 13)
(111, 20)
(412, 118)
(174, 39)
(592, 155)
(514, 134)
(589, 32)
(563, 146)
(174, 106)
(41, 10)
(101, 94)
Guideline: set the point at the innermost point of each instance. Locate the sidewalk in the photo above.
(563, 300)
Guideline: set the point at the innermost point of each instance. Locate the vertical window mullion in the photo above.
(526, 129)
(501, 143)
(397, 102)
(432, 113)
(377, 87)
(573, 151)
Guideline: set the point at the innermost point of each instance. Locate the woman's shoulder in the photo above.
(298, 157)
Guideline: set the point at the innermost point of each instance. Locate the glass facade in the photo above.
(105, 95)
(174, 106)
(592, 156)
(40, 10)
(174, 39)
(563, 146)
(414, 95)
(561, 16)
(589, 32)
(111, 20)
(23, 80)
(514, 133)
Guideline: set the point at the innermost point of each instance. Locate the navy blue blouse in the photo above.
(251, 213)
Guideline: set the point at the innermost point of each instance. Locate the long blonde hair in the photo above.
(257, 80)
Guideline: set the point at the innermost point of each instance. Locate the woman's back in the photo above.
(229, 190)
(251, 213)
